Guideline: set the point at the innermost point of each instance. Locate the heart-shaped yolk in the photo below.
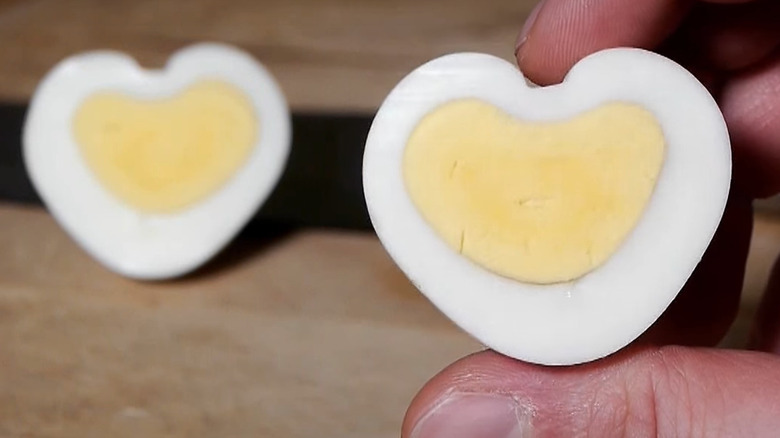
(161, 156)
(537, 202)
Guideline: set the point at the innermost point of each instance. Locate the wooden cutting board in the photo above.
(286, 334)
(307, 333)
(293, 334)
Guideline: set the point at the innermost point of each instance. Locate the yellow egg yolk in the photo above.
(161, 156)
(536, 202)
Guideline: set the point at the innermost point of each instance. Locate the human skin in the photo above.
(670, 382)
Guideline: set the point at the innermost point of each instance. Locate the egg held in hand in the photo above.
(553, 224)
(154, 172)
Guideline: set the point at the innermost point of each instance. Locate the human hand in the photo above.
(650, 389)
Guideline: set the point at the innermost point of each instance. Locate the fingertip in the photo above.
(461, 377)
(528, 26)
(562, 32)
(532, 398)
(640, 391)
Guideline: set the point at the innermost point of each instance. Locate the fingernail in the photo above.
(529, 24)
(474, 415)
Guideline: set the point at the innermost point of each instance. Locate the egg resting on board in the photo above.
(132, 162)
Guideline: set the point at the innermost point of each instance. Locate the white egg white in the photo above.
(603, 311)
(134, 243)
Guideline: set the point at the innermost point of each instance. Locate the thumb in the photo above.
(667, 391)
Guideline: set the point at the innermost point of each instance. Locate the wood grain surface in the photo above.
(303, 334)
(340, 55)
(292, 334)
(286, 334)
(314, 333)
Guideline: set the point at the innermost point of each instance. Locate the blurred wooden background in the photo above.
(341, 55)
(312, 333)
(300, 334)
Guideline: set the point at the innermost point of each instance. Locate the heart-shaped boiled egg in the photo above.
(555, 224)
(153, 172)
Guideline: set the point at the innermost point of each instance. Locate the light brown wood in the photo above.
(317, 334)
(340, 55)
(314, 334)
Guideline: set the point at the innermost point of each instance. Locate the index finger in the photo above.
(561, 32)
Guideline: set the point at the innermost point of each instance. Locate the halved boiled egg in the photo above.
(153, 172)
(554, 224)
